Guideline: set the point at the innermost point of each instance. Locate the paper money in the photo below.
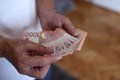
(62, 42)
(59, 40)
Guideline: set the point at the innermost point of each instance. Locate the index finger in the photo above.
(41, 60)
(68, 26)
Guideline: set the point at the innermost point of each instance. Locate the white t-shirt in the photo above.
(16, 17)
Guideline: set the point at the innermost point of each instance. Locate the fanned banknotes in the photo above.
(62, 42)
(59, 40)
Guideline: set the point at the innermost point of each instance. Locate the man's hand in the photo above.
(51, 20)
(55, 20)
(29, 58)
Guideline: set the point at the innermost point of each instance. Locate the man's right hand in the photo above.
(27, 57)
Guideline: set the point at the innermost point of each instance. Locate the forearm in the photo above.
(45, 9)
(45, 6)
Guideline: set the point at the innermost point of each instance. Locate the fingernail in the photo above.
(59, 58)
(76, 33)
(59, 54)
(78, 49)
(71, 53)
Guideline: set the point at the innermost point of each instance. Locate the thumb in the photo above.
(38, 49)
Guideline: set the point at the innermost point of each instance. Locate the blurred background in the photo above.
(99, 58)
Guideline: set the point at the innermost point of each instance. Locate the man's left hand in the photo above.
(51, 21)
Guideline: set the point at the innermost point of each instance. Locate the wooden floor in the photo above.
(99, 58)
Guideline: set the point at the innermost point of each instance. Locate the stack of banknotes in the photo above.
(60, 41)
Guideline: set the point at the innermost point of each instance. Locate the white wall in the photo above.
(109, 4)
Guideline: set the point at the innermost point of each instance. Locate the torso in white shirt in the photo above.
(16, 17)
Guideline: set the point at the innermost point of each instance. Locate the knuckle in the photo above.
(21, 70)
(21, 63)
(42, 49)
(66, 20)
(47, 50)
(24, 62)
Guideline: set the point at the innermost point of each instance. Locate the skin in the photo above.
(28, 57)
(51, 20)
(21, 56)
